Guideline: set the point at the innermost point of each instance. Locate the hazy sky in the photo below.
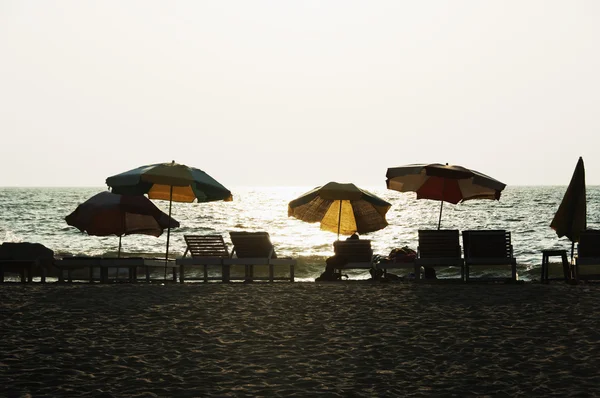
(298, 92)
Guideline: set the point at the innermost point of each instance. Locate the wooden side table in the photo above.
(546, 254)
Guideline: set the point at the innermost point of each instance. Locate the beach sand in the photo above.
(301, 339)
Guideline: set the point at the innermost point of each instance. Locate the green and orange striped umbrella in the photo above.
(169, 181)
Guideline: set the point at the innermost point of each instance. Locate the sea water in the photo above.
(38, 215)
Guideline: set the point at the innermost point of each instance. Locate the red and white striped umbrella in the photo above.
(446, 183)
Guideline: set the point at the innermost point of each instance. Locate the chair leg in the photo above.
(566, 267)
(514, 272)
(225, 273)
(417, 271)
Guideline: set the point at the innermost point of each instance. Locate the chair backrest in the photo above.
(487, 244)
(355, 250)
(206, 246)
(589, 243)
(439, 243)
(252, 245)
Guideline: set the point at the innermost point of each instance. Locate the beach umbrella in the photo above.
(341, 208)
(446, 183)
(570, 218)
(108, 213)
(169, 181)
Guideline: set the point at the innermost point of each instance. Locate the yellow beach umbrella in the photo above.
(341, 208)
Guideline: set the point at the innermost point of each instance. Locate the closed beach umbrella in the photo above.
(108, 213)
(341, 208)
(570, 218)
(169, 181)
(446, 183)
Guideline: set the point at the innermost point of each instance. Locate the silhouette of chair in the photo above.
(256, 249)
(588, 255)
(488, 248)
(25, 259)
(205, 251)
(438, 248)
(357, 253)
(105, 264)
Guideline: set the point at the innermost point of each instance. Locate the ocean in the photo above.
(38, 215)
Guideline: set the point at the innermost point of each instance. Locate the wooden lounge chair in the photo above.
(489, 248)
(255, 249)
(588, 255)
(357, 252)
(440, 247)
(205, 251)
(25, 259)
(105, 264)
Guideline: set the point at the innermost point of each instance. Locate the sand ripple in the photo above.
(302, 339)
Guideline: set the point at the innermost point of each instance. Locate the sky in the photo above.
(298, 93)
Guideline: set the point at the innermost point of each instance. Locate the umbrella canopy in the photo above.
(570, 218)
(341, 208)
(172, 182)
(107, 214)
(446, 183)
(169, 181)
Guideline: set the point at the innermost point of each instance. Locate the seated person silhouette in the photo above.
(333, 262)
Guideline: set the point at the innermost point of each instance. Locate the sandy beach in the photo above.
(301, 339)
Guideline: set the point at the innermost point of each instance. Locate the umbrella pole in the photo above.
(168, 231)
(340, 219)
(442, 204)
(119, 252)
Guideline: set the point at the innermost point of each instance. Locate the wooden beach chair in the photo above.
(25, 259)
(358, 252)
(205, 251)
(132, 264)
(489, 248)
(588, 256)
(99, 268)
(71, 266)
(252, 249)
(438, 248)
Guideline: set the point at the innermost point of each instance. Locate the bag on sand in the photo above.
(402, 255)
